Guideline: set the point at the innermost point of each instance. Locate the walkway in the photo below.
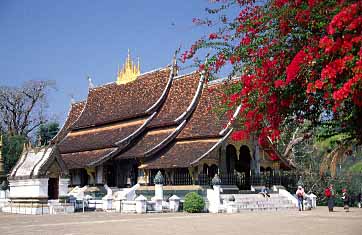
(318, 221)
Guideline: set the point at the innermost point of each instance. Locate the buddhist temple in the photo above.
(125, 131)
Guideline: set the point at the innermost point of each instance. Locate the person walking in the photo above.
(329, 193)
(345, 198)
(359, 200)
(300, 197)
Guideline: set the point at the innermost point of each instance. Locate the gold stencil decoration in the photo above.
(129, 71)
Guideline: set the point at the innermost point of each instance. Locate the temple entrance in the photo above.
(83, 178)
(210, 171)
(111, 175)
(53, 188)
(231, 157)
(243, 166)
(243, 163)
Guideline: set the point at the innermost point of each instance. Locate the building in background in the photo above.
(128, 130)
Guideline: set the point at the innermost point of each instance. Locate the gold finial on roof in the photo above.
(129, 71)
(138, 63)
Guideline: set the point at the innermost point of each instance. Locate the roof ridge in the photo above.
(102, 86)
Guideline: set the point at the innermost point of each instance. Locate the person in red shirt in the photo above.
(300, 197)
(329, 193)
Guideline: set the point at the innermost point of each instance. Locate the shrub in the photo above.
(194, 203)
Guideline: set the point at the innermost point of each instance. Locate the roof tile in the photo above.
(82, 159)
(112, 102)
(182, 154)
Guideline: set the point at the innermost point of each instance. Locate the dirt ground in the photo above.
(318, 221)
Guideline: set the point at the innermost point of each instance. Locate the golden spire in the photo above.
(129, 71)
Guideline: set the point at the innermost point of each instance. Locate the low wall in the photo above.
(29, 188)
(168, 191)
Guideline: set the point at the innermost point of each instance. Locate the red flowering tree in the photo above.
(293, 60)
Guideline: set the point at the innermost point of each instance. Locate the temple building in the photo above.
(127, 130)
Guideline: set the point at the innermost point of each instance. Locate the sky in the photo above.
(68, 40)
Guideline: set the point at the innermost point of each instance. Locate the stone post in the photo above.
(158, 204)
(141, 204)
(215, 202)
(174, 203)
(107, 199)
(118, 203)
(158, 180)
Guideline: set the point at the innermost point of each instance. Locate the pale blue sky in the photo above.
(70, 39)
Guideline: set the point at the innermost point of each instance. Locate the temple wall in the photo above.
(29, 188)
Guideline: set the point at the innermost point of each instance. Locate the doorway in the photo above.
(243, 166)
(53, 188)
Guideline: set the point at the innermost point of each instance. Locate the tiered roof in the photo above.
(162, 120)
(114, 103)
(111, 114)
(200, 137)
(74, 113)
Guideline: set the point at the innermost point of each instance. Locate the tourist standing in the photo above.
(300, 197)
(359, 200)
(329, 193)
(345, 198)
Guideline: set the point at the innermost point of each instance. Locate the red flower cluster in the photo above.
(335, 68)
(301, 58)
(344, 18)
(285, 70)
(347, 89)
(303, 17)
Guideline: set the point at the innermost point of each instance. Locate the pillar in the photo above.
(99, 175)
(256, 158)
(222, 161)
(141, 204)
(158, 181)
(63, 187)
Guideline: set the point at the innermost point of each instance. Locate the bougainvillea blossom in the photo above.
(292, 58)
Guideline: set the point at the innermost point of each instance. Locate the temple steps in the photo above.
(235, 203)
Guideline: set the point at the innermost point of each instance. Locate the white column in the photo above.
(141, 204)
(214, 199)
(159, 191)
(99, 175)
(63, 187)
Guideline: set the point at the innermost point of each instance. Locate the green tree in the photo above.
(12, 149)
(47, 131)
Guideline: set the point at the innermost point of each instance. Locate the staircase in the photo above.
(234, 203)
